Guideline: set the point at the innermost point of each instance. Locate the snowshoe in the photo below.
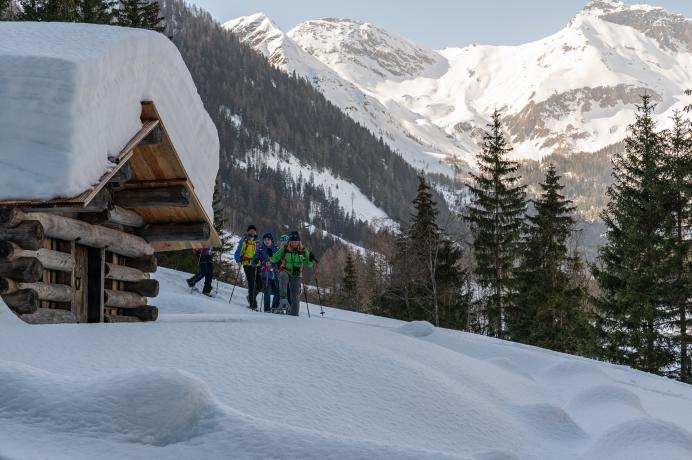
(282, 308)
(190, 284)
(208, 294)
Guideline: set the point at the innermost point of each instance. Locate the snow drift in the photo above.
(70, 100)
(211, 380)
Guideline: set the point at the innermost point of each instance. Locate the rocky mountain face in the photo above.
(572, 91)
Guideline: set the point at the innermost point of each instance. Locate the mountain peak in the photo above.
(257, 21)
(363, 52)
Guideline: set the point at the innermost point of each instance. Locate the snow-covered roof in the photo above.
(70, 100)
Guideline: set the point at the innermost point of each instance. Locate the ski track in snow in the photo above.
(214, 380)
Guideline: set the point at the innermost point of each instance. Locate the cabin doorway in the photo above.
(88, 284)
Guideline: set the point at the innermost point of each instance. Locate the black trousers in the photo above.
(254, 284)
(206, 271)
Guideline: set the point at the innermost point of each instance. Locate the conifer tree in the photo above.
(635, 263)
(678, 176)
(349, 283)
(143, 14)
(97, 11)
(49, 10)
(5, 12)
(548, 310)
(224, 252)
(427, 281)
(496, 214)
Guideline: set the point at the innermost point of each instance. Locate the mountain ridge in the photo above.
(571, 91)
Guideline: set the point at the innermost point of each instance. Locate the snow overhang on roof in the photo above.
(71, 101)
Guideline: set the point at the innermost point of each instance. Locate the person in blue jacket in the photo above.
(267, 272)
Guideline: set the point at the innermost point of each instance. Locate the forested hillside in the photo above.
(261, 111)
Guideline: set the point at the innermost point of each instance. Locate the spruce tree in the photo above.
(5, 13)
(349, 283)
(635, 263)
(49, 10)
(143, 14)
(678, 176)
(224, 252)
(97, 11)
(427, 281)
(548, 310)
(496, 215)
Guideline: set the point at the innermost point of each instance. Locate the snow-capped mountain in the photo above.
(421, 143)
(572, 91)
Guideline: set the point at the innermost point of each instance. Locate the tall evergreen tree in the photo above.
(223, 267)
(549, 306)
(427, 282)
(635, 263)
(678, 176)
(5, 13)
(143, 14)
(349, 283)
(49, 10)
(496, 212)
(97, 11)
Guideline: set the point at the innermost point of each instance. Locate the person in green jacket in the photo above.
(292, 257)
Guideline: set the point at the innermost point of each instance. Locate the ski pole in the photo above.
(218, 275)
(307, 305)
(237, 280)
(319, 296)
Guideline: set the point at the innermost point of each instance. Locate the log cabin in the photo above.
(88, 257)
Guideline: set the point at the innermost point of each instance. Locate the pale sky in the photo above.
(434, 23)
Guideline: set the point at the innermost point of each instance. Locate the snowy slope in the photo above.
(211, 380)
(70, 100)
(572, 91)
(349, 196)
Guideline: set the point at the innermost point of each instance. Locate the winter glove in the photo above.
(313, 258)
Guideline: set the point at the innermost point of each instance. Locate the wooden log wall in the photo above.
(47, 263)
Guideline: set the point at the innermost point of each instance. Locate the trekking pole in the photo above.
(307, 305)
(319, 296)
(253, 295)
(266, 284)
(221, 270)
(237, 280)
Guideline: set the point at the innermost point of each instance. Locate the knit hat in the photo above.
(268, 235)
(293, 236)
(251, 227)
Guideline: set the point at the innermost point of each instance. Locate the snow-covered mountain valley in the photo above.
(211, 380)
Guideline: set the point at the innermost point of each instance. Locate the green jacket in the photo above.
(290, 261)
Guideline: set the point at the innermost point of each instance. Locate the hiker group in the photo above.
(271, 269)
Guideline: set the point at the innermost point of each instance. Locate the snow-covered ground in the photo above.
(211, 380)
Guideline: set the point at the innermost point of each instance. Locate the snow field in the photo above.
(212, 380)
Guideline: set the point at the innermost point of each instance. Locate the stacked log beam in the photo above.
(27, 234)
(51, 260)
(123, 273)
(67, 229)
(44, 291)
